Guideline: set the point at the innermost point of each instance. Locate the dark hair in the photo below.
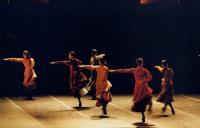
(27, 53)
(102, 60)
(73, 54)
(139, 61)
(164, 63)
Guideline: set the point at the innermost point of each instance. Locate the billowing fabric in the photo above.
(166, 94)
(29, 72)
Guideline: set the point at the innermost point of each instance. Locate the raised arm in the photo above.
(89, 67)
(159, 68)
(14, 59)
(130, 70)
(100, 56)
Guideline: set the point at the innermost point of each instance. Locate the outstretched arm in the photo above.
(59, 62)
(159, 68)
(14, 59)
(130, 70)
(89, 67)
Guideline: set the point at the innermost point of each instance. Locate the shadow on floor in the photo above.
(160, 116)
(143, 125)
(82, 108)
(65, 110)
(97, 117)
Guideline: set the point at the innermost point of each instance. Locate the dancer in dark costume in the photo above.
(166, 94)
(30, 76)
(103, 86)
(92, 80)
(142, 92)
(77, 78)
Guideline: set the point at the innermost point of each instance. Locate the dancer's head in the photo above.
(26, 54)
(139, 61)
(164, 63)
(102, 61)
(94, 52)
(72, 55)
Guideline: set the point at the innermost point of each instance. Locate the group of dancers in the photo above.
(98, 84)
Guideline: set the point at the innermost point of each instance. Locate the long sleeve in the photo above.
(60, 62)
(89, 67)
(14, 59)
(130, 70)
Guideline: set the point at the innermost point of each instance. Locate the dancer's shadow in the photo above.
(29, 99)
(82, 108)
(160, 116)
(98, 117)
(143, 125)
(21, 99)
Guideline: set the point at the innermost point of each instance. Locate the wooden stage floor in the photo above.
(61, 112)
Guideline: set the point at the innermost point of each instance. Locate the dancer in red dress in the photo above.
(30, 76)
(103, 86)
(142, 92)
(77, 78)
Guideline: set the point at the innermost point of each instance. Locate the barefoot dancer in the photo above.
(76, 77)
(103, 86)
(166, 94)
(30, 76)
(142, 93)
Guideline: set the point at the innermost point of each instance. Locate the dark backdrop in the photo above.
(122, 29)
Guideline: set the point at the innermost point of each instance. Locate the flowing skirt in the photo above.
(166, 94)
(140, 106)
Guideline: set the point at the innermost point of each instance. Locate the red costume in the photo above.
(142, 92)
(29, 72)
(102, 84)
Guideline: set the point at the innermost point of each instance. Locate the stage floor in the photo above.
(61, 112)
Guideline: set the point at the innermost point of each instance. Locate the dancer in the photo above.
(142, 92)
(77, 78)
(30, 76)
(166, 94)
(103, 86)
(92, 80)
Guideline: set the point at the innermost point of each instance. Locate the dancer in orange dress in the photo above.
(142, 92)
(103, 86)
(30, 76)
(166, 94)
(77, 78)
